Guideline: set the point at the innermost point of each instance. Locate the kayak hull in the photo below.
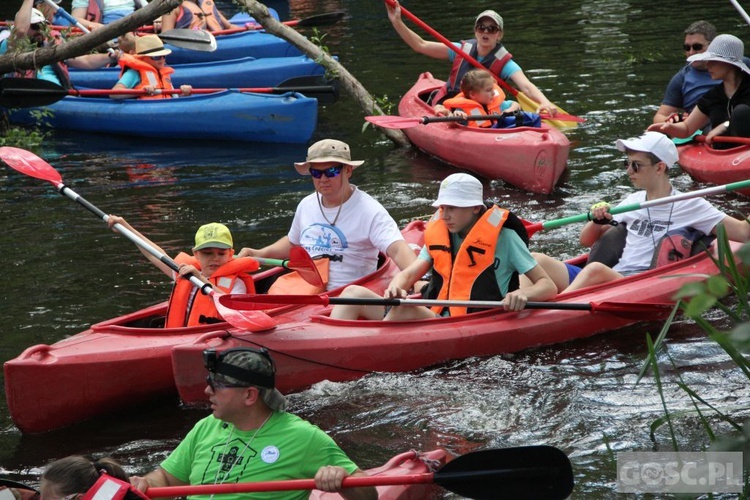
(227, 115)
(245, 72)
(716, 166)
(256, 44)
(529, 158)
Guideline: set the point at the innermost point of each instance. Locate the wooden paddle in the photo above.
(33, 92)
(403, 122)
(260, 302)
(316, 20)
(528, 472)
(553, 224)
(29, 164)
(527, 103)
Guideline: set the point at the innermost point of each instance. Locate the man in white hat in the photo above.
(485, 47)
(475, 253)
(726, 106)
(649, 158)
(339, 221)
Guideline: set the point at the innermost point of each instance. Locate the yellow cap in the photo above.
(213, 235)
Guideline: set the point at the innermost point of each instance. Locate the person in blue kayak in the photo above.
(147, 69)
(485, 47)
(196, 15)
(94, 14)
(649, 158)
(250, 437)
(475, 252)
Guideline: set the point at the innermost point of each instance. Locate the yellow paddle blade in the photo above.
(528, 104)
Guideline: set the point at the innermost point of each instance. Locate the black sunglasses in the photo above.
(36, 26)
(696, 47)
(487, 28)
(635, 165)
(329, 172)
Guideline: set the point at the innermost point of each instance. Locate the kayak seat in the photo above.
(608, 249)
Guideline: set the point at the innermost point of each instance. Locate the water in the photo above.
(606, 61)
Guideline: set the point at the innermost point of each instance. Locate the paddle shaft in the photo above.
(258, 90)
(740, 10)
(553, 224)
(453, 303)
(67, 16)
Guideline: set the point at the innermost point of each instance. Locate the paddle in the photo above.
(527, 472)
(259, 302)
(299, 260)
(316, 20)
(402, 122)
(553, 224)
(740, 10)
(29, 164)
(33, 92)
(527, 103)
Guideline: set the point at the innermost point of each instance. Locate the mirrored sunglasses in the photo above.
(329, 172)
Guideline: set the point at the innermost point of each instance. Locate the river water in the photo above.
(604, 60)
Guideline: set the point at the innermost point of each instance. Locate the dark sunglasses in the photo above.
(696, 47)
(158, 58)
(487, 29)
(36, 26)
(329, 172)
(635, 165)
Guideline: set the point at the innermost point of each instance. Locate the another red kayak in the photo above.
(715, 166)
(527, 157)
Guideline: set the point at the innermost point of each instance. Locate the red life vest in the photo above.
(470, 275)
(150, 76)
(192, 15)
(189, 307)
(472, 107)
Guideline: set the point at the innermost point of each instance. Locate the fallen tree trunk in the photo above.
(85, 44)
(347, 80)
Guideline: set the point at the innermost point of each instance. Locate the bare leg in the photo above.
(555, 269)
(354, 312)
(593, 274)
(409, 313)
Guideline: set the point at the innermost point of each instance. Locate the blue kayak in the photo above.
(226, 115)
(236, 46)
(246, 72)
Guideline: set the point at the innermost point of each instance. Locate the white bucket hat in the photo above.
(724, 48)
(651, 142)
(460, 190)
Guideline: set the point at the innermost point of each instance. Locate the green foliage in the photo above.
(26, 138)
(384, 106)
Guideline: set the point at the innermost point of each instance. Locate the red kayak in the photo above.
(715, 166)
(527, 157)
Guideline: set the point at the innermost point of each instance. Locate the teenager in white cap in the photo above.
(649, 158)
(485, 47)
(475, 253)
(727, 106)
(338, 221)
(249, 437)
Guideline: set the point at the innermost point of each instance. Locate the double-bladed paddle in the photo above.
(33, 166)
(403, 122)
(259, 302)
(33, 92)
(316, 20)
(527, 472)
(299, 260)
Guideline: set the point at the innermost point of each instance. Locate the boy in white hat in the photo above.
(475, 253)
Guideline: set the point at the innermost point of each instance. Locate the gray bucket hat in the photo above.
(724, 48)
(325, 151)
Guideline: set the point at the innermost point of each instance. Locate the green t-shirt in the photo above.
(286, 447)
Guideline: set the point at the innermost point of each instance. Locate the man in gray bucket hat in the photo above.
(338, 221)
(726, 106)
(250, 437)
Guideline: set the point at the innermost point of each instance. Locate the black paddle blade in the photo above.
(528, 472)
(321, 19)
(200, 40)
(29, 92)
(15, 484)
(325, 91)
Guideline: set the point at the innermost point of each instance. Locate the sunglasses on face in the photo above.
(158, 58)
(487, 28)
(329, 172)
(36, 26)
(695, 46)
(635, 165)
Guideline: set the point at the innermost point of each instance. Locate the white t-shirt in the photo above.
(109, 4)
(646, 226)
(363, 229)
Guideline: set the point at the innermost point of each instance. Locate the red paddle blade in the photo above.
(646, 311)
(300, 261)
(394, 122)
(251, 302)
(252, 321)
(30, 164)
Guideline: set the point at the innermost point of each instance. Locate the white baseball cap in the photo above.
(37, 17)
(651, 142)
(460, 190)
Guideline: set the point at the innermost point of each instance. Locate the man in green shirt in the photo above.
(250, 438)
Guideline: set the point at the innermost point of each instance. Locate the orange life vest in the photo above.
(150, 76)
(192, 15)
(189, 307)
(294, 284)
(470, 275)
(472, 107)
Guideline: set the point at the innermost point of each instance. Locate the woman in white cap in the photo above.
(727, 106)
(147, 69)
(649, 158)
(475, 253)
(485, 47)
